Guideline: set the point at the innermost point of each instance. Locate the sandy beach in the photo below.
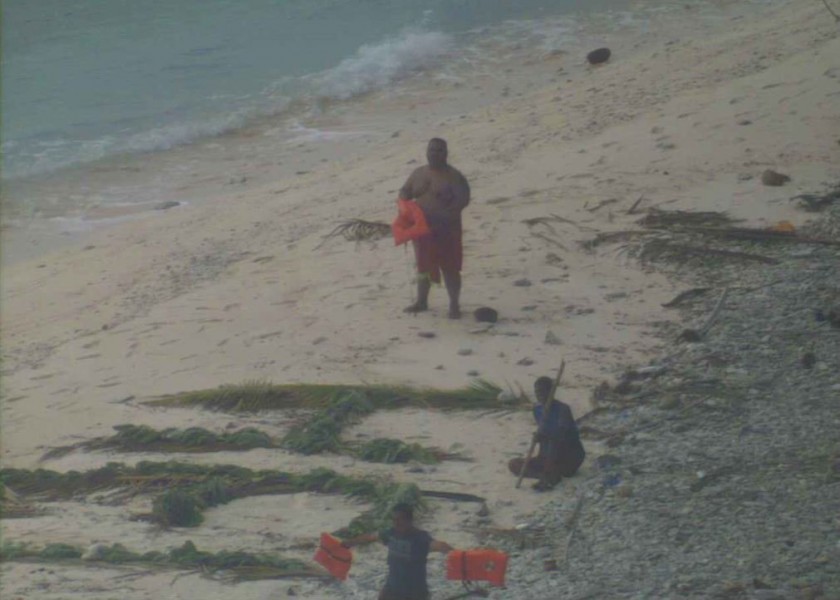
(237, 283)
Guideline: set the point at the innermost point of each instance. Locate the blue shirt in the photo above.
(560, 423)
(407, 556)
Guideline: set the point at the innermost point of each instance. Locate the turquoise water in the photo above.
(86, 79)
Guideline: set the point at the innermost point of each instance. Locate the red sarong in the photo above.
(440, 250)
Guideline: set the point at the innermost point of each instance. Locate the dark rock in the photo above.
(522, 283)
(167, 205)
(774, 179)
(525, 362)
(427, 334)
(486, 314)
(599, 56)
(552, 340)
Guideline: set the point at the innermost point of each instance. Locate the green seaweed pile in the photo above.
(142, 437)
(191, 488)
(243, 565)
(256, 396)
(387, 450)
(322, 433)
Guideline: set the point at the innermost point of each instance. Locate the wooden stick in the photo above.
(633, 208)
(543, 417)
(708, 325)
(834, 14)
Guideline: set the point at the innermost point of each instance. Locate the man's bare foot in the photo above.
(415, 308)
(454, 312)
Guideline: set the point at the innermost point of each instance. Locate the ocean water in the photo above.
(87, 79)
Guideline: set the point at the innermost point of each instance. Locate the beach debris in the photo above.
(773, 178)
(601, 205)
(599, 56)
(692, 335)
(685, 296)
(359, 230)
(682, 219)
(632, 209)
(522, 283)
(485, 314)
(817, 202)
(663, 249)
(552, 340)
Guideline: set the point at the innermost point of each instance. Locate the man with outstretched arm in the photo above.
(442, 193)
(561, 452)
(408, 549)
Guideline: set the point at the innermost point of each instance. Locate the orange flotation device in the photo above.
(410, 223)
(477, 565)
(334, 557)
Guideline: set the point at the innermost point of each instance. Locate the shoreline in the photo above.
(235, 288)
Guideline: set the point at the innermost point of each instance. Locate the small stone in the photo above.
(465, 352)
(522, 283)
(439, 368)
(485, 314)
(473, 373)
(427, 334)
(744, 122)
(745, 176)
(525, 362)
(773, 178)
(809, 359)
(319, 340)
(483, 511)
(599, 56)
(167, 205)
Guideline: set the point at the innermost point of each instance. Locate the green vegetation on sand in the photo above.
(256, 396)
(239, 564)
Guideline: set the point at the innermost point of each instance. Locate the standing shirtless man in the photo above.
(442, 192)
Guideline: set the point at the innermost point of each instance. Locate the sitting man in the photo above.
(408, 549)
(561, 452)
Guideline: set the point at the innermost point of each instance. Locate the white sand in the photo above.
(232, 288)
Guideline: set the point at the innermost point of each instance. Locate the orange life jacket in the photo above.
(334, 557)
(477, 565)
(410, 223)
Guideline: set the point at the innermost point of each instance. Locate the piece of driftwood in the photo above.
(571, 525)
(831, 10)
(667, 249)
(683, 219)
(456, 496)
(611, 237)
(686, 295)
(602, 204)
(761, 235)
(692, 335)
(632, 209)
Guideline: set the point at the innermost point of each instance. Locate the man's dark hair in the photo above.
(404, 510)
(543, 385)
(438, 141)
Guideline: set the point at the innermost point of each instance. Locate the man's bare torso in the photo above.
(441, 193)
